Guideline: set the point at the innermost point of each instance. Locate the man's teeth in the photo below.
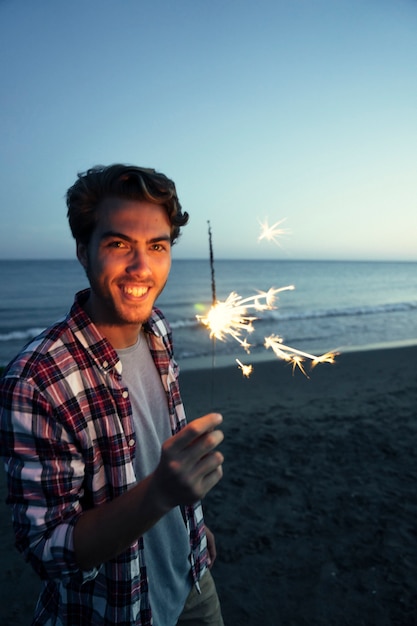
(136, 291)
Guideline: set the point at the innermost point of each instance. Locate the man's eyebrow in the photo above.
(111, 234)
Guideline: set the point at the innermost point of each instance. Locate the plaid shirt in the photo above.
(68, 438)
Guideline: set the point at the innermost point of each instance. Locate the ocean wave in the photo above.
(277, 315)
(265, 316)
(20, 335)
(355, 311)
(187, 323)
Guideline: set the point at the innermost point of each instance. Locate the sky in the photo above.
(303, 110)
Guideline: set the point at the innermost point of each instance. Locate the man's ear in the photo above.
(82, 254)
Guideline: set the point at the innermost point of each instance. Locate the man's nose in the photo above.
(139, 263)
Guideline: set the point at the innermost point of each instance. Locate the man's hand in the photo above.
(190, 466)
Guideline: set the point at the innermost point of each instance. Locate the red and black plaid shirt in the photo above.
(68, 439)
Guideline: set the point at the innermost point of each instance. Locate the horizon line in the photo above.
(286, 260)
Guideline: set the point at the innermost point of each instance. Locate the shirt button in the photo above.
(125, 394)
(131, 443)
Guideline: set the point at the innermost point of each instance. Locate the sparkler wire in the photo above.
(213, 302)
(213, 280)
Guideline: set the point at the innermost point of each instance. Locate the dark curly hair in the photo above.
(119, 181)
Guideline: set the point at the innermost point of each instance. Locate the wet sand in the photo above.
(316, 515)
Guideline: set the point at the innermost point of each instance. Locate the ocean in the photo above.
(336, 305)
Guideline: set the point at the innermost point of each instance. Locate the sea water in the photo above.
(336, 305)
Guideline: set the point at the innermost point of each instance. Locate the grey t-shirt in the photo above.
(166, 544)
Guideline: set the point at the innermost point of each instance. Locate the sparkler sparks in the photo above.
(296, 357)
(272, 233)
(246, 369)
(230, 317)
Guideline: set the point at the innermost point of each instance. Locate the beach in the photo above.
(316, 515)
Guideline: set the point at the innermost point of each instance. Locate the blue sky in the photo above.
(296, 109)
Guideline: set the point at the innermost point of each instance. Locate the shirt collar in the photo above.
(90, 337)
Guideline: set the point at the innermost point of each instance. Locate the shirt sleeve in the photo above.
(45, 480)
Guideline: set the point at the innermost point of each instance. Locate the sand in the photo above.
(316, 515)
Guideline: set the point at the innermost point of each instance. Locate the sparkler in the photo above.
(296, 357)
(246, 369)
(271, 233)
(213, 280)
(231, 317)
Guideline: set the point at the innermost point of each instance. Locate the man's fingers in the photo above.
(185, 450)
(199, 448)
(189, 463)
(211, 475)
(196, 429)
(209, 463)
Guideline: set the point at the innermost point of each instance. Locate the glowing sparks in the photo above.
(230, 317)
(294, 356)
(233, 317)
(246, 369)
(272, 233)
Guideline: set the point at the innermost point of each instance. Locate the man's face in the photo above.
(127, 261)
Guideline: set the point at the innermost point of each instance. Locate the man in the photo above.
(105, 477)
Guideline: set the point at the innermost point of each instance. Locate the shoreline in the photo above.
(228, 360)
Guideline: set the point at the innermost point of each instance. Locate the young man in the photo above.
(105, 477)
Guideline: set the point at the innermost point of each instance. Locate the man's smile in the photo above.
(137, 292)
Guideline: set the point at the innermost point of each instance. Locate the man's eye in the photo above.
(117, 244)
